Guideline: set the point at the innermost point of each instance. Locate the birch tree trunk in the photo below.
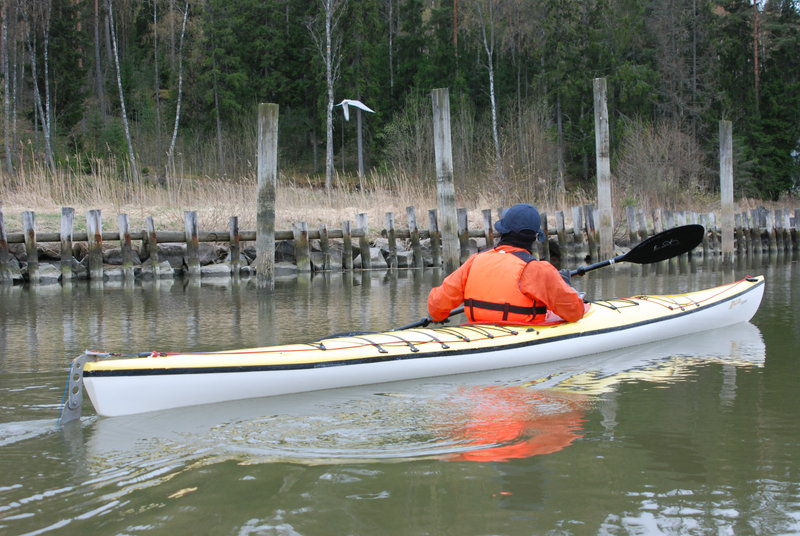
(48, 111)
(98, 66)
(329, 47)
(329, 79)
(487, 32)
(220, 152)
(37, 97)
(171, 151)
(9, 160)
(126, 127)
(156, 77)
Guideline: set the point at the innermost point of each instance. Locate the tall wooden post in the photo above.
(445, 190)
(602, 147)
(267, 184)
(726, 189)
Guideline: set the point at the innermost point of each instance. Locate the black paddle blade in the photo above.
(666, 245)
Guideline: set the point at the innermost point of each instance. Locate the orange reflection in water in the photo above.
(504, 423)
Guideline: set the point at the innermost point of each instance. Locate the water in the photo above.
(694, 435)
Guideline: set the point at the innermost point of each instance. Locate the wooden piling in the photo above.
(445, 189)
(362, 226)
(31, 249)
(726, 189)
(67, 226)
(605, 220)
(324, 246)
(347, 247)
(578, 229)
(772, 246)
(267, 178)
(592, 236)
(190, 229)
(234, 245)
(755, 232)
(737, 234)
(545, 249)
(633, 228)
(561, 233)
(463, 234)
(787, 229)
(392, 238)
(488, 230)
(436, 239)
(643, 231)
(302, 254)
(126, 246)
(413, 231)
(151, 246)
(6, 273)
(94, 230)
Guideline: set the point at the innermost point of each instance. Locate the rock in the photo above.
(210, 253)
(405, 259)
(47, 274)
(173, 253)
(113, 256)
(284, 269)
(10, 272)
(216, 270)
(165, 271)
(376, 259)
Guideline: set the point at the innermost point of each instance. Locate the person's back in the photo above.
(506, 283)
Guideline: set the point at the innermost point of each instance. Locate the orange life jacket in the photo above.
(492, 290)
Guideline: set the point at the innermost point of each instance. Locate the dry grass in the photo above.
(298, 200)
(216, 200)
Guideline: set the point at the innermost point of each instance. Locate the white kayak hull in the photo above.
(128, 386)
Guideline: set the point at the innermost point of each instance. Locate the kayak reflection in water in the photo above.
(510, 422)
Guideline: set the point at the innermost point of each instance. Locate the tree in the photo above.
(123, 111)
(171, 150)
(9, 155)
(328, 41)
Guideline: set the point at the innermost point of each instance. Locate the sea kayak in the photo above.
(159, 381)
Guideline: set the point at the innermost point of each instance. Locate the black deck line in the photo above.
(386, 358)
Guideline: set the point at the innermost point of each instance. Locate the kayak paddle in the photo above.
(659, 247)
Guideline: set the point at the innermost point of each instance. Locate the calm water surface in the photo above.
(696, 435)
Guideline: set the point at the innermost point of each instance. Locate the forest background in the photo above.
(150, 105)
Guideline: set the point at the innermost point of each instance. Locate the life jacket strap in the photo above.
(504, 307)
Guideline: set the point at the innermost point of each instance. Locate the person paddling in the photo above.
(507, 283)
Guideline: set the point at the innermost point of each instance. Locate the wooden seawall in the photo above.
(573, 235)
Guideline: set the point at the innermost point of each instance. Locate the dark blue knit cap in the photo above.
(519, 218)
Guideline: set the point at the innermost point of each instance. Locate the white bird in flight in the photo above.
(346, 103)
